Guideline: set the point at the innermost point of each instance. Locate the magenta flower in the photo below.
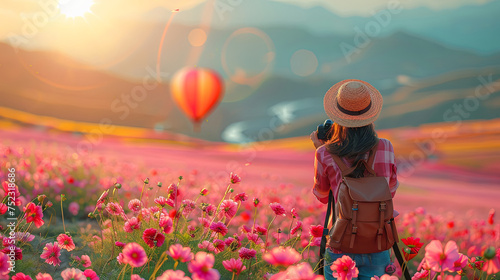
(135, 205)
(280, 256)
(229, 208)
(134, 255)
(277, 209)
(260, 230)
(246, 253)
(89, 273)
(296, 228)
(3, 208)
(234, 266)
(43, 276)
(21, 276)
(66, 242)
(4, 263)
(73, 274)
(189, 206)
(180, 253)
(201, 267)
(438, 258)
(152, 237)
(173, 191)
(102, 198)
(235, 179)
(206, 245)
(344, 268)
(219, 227)
(18, 253)
(162, 201)
(131, 224)
(114, 209)
(294, 213)
(33, 213)
(51, 253)
(120, 244)
(173, 275)
(241, 197)
(316, 231)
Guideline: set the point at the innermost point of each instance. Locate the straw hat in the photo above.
(353, 103)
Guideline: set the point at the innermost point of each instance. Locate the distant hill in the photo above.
(420, 81)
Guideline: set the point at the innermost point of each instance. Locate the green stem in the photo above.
(62, 215)
(268, 228)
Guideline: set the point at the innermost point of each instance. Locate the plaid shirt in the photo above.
(328, 176)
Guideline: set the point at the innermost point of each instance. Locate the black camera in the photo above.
(324, 130)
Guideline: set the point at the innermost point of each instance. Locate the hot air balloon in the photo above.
(196, 91)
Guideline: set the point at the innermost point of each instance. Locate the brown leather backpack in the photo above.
(364, 211)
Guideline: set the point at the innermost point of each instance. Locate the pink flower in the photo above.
(450, 277)
(344, 268)
(153, 238)
(102, 198)
(229, 208)
(438, 258)
(85, 260)
(89, 273)
(460, 263)
(219, 245)
(33, 213)
(301, 271)
(492, 265)
(180, 253)
(4, 263)
(43, 276)
(114, 209)
(119, 244)
(385, 277)
(201, 267)
(162, 201)
(260, 230)
(246, 253)
(219, 227)
(73, 208)
(134, 255)
(135, 205)
(234, 266)
(241, 197)
(66, 242)
(166, 223)
(279, 256)
(18, 253)
(278, 209)
(173, 275)
(21, 276)
(235, 179)
(73, 274)
(131, 224)
(136, 277)
(173, 191)
(3, 208)
(294, 213)
(206, 245)
(316, 231)
(189, 206)
(424, 274)
(296, 228)
(51, 253)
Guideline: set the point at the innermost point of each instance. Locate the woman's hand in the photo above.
(314, 138)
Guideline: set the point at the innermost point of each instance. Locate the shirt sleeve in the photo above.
(393, 180)
(321, 187)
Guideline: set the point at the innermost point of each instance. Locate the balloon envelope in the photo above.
(196, 91)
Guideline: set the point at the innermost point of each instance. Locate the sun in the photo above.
(75, 8)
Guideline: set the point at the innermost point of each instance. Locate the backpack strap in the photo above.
(368, 163)
(322, 249)
(371, 158)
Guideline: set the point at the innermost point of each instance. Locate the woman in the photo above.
(353, 106)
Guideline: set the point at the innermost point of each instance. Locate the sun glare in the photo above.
(75, 8)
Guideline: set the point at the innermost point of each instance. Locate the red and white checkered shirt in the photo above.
(328, 175)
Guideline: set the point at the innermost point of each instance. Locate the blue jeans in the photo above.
(368, 265)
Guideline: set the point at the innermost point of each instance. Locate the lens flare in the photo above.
(75, 8)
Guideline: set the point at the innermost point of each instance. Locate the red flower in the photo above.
(491, 217)
(153, 238)
(33, 213)
(260, 230)
(246, 253)
(235, 179)
(296, 228)
(277, 209)
(316, 231)
(241, 197)
(413, 247)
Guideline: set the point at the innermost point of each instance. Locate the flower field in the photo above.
(135, 211)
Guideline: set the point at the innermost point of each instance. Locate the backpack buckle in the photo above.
(382, 206)
(355, 207)
(354, 230)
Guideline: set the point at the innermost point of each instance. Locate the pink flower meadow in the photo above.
(302, 271)
(180, 253)
(201, 267)
(282, 256)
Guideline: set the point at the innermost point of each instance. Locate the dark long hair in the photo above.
(352, 143)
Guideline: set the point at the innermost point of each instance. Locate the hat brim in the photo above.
(343, 119)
